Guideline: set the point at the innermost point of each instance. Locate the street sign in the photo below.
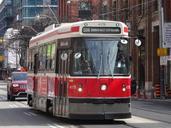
(163, 60)
(167, 35)
(162, 51)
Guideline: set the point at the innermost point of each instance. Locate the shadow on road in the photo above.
(25, 116)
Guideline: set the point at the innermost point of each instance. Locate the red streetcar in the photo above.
(81, 70)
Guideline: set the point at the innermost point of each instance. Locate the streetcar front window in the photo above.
(100, 57)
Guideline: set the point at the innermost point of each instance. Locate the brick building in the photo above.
(143, 18)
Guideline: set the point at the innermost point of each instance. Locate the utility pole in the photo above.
(161, 39)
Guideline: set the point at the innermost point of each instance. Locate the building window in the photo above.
(155, 5)
(114, 9)
(39, 2)
(53, 2)
(85, 10)
(126, 9)
(141, 7)
(104, 10)
(31, 2)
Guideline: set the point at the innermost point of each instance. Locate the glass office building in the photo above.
(24, 11)
(6, 16)
(18, 13)
(29, 9)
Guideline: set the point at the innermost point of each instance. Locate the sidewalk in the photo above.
(159, 100)
(3, 82)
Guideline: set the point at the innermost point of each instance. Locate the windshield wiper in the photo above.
(109, 62)
(100, 65)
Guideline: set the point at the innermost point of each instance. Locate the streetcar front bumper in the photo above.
(99, 109)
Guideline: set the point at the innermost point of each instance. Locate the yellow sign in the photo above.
(1, 58)
(162, 51)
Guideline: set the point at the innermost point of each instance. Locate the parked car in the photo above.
(17, 85)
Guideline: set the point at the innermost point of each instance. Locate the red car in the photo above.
(17, 85)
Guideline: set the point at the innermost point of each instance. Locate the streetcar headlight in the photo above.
(123, 87)
(15, 85)
(80, 88)
(103, 87)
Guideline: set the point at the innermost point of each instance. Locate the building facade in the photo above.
(143, 18)
(6, 18)
(6, 15)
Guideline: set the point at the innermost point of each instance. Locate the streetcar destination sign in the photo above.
(105, 30)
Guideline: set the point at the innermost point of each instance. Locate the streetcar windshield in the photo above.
(100, 57)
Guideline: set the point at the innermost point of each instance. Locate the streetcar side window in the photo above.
(36, 63)
(45, 56)
(53, 56)
(33, 52)
(30, 60)
(48, 58)
(41, 67)
(122, 60)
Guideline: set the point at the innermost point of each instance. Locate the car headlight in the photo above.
(15, 85)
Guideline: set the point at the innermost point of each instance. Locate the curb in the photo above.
(153, 100)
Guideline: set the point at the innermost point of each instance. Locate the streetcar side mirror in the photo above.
(9, 79)
(124, 41)
(138, 42)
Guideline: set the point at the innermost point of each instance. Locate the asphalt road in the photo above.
(146, 114)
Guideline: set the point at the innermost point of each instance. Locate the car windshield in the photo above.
(100, 56)
(16, 76)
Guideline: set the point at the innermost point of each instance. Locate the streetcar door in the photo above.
(35, 84)
(63, 71)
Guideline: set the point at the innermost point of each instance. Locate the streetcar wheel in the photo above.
(30, 103)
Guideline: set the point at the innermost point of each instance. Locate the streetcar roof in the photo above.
(66, 30)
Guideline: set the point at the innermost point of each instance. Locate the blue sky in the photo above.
(0, 1)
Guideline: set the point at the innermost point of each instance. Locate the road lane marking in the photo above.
(55, 126)
(30, 114)
(13, 106)
(21, 104)
(51, 126)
